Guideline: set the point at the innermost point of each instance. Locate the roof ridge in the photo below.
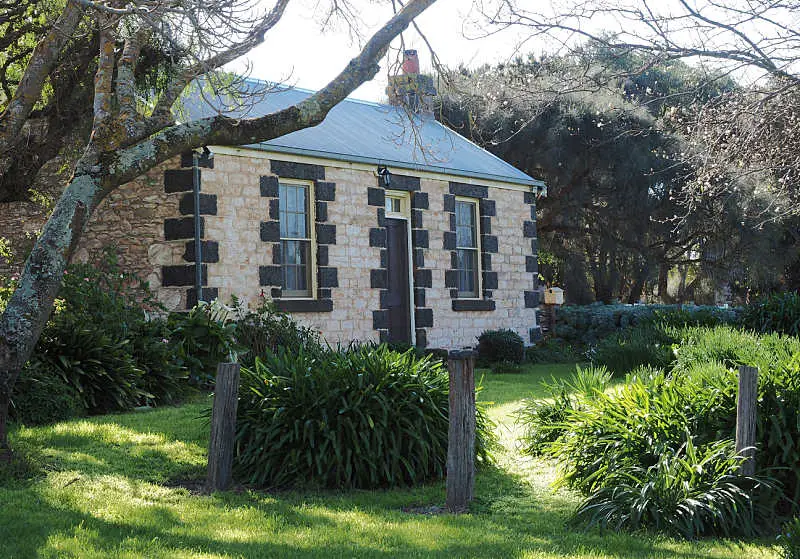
(283, 87)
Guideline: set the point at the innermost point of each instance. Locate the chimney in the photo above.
(411, 89)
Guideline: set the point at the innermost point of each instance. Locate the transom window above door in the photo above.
(296, 234)
(397, 205)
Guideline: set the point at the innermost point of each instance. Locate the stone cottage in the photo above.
(374, 225)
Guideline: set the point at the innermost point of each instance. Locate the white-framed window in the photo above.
(297, 238)
(468, 253)
(397, 205)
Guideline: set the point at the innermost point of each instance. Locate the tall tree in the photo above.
(127, 137)
(756, 40)
(616, 219)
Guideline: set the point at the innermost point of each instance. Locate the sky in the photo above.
(299, 53)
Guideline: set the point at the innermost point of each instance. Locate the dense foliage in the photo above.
(789, 539)
(41, 397)
(779, 313)
(104, 349)
(495, 346)
(656, 451)
(633, 348)
(362, 417)
(590, 324)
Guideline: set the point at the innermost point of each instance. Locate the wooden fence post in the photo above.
(461, 435)
(746, 410)
(223, 428)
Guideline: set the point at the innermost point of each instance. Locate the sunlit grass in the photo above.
(106, 490)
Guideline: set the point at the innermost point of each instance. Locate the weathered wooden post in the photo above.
(461, 435)
(223, 428)
(746, 410)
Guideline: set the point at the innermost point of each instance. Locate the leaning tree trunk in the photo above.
(29, 307)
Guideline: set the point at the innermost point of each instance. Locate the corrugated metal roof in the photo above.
(366, 132)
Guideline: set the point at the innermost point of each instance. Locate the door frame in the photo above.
(404, 213)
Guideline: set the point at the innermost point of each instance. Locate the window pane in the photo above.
(466, 233)
(296, 257)
(467, 262)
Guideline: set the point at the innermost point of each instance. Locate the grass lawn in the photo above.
(107, 491)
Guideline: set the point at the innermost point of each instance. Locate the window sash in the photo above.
(295, 239)
(467, 249)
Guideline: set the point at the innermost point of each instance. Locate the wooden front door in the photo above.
(398, 299)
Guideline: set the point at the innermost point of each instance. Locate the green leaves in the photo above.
(363, 417)
(655, 452)
(496, 346)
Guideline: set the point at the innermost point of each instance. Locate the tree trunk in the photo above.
(31, 303)
(663, 282)
(638, 286)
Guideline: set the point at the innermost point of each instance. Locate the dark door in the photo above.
(397, 299)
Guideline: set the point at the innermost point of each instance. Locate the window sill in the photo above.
(473, 305)
(303, 305)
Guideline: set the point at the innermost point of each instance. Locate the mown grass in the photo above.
(106, 489)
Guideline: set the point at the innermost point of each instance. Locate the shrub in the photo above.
(544, 419)
(203, 337)
(779, 313)
(789, 539)
(615, 444)
(591, 324)
(624, 352)
(364, 417)
(500, 345)
(164, 379)
(104, 295)
(41, 396)
(551, 351)
(265, 330)
(100, 368)
(690, 492)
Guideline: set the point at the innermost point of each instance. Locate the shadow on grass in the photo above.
(110, 504)
(358, 524)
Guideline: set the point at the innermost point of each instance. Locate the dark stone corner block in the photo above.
(204, 160)
(380, 320)
(377, 279)
(178, 180)
(376, 197)
(270, 231)
(423, 278)
(420, 238)
(328, 277)
(208, 204)
(177, 228)
(326, 234)
(270, 275)
(423, 318)
(420, 201)
(531, 299)
(181, 275)
(209, 294)
(325, 191)
(377, 237)
(529, 229)
(269, 186)
(209, 252)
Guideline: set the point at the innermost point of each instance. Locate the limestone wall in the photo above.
(149, 219)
